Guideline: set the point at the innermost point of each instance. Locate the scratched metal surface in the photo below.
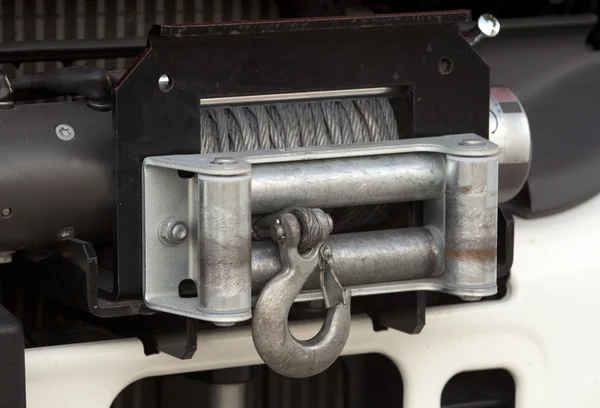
(28, 20)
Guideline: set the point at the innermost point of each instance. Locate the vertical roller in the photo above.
(471, 226)
(224, 248)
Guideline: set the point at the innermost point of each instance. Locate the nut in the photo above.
(173, 231)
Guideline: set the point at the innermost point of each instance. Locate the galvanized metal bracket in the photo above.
(461, 206)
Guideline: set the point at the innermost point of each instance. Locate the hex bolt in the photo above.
(173, 232)
(64, 132)
(179, 232)
(222, 161)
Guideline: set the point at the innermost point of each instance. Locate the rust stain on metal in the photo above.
(484, 254)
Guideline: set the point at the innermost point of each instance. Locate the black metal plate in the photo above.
(12, 356)
(73, 276)
(215, 60)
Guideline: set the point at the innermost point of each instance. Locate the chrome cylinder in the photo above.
(471, 226)
(509, 129)
(224, 248)
(365, 257)
(347, 181)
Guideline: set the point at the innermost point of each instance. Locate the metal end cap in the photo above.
(488, 25)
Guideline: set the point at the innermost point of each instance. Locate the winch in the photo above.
(256, 165)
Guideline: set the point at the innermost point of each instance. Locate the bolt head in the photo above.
(472, 142)
(224, 324)
(6, 212)
(277, 232)
(222, 161)
(66, 233)
(471, 298)
(64, 132)
(179, 232)
(488, 25)
(173, 232)
(165, 83)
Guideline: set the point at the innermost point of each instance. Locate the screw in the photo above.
(472, 142)
(326, 252)
(488, 26)
(173, 232)
(66, 233)
(64, 132)
(6, 212)
(470, 298)
(222, 161)
(224, 324)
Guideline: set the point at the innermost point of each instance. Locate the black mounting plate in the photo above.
(73, 275)
(12, 356)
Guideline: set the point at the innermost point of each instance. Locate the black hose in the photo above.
(95, 84)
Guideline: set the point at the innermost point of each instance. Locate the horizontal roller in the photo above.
(365, 257)
(347, 182)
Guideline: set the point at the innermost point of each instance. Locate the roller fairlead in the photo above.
(455, 177)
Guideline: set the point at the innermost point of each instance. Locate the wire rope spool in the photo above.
(281, 126)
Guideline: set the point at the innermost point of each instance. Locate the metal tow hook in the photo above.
(279, 349)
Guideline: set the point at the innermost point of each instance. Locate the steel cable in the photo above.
(303, 125)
